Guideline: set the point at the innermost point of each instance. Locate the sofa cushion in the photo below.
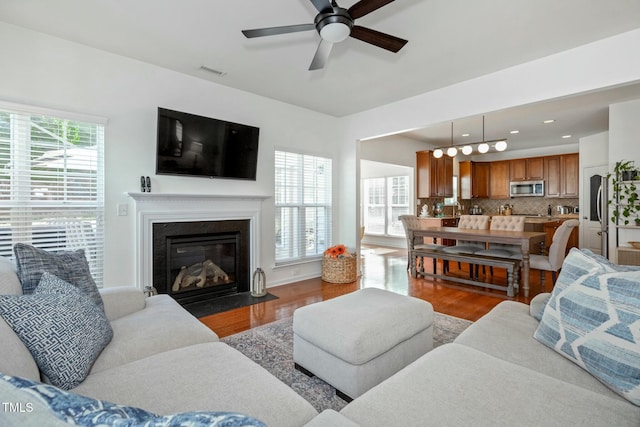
(506, 332)
(62, 328)
(80, 410)
(162, 325)
(70, 266)
(201, 377)
(454, 385)
(595, 322)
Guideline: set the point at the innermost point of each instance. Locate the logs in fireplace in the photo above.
(201, 260)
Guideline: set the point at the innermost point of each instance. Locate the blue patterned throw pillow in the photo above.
(593, 319)
(70, 266)
(576, 266)
(62, 328)
(84, 411)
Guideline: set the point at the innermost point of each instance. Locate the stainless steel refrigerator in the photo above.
(599, 209)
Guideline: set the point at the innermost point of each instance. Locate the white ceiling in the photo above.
(449, 41)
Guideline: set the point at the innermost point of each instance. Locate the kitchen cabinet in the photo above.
(474, 180)
(562, 175)
(552, 176)
(434, 177)
(529, 169)
(569, 175)
(499, 180)
(423, 166)
(551, 227)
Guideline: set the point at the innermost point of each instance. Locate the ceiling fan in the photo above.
(335, 24)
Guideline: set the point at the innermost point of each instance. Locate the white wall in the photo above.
(624, 144)
(49, 72)
(604, 63)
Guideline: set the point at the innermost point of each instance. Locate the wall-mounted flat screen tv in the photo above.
(201, 146)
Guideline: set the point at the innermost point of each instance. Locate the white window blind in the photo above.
(52, 184)
(303, 206)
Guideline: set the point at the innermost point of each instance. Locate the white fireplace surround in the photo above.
(152, 208)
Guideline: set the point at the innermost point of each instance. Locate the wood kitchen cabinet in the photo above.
(474, 180)
(499, 182)
(569, 175)
(552, 176)
(562, 175)
(434, 177)
(530, 169)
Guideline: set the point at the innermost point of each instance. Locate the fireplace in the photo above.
(152, 209)
(199, 260)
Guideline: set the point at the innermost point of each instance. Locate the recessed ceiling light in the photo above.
(566, 136)
(548, 121)
(466, 134)
(515, 131)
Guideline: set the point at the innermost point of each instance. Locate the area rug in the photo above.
(271, 346)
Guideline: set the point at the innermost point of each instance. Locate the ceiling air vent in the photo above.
(213, 71)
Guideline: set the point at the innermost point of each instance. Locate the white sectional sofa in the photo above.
(161, 359)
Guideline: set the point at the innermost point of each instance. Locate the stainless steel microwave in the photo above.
(526, 188)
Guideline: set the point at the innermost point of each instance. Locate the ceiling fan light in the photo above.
(335, 32)
(483, 148)
(452, 151)
(437, 153)
(501, 145)
(466, 150)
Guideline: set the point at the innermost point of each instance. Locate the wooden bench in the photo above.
(511, 265)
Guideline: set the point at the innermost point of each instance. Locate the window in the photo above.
(303, 206)
(385, 199)
(51, 183)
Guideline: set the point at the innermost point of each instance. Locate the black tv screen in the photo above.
(201, 146)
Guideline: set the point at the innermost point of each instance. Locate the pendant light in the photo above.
(482, 146)
(452, 151)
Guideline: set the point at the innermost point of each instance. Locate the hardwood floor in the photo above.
(381, 268)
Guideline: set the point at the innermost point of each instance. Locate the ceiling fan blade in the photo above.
(376, 38)
(323, 6)
(321, 56)
(272, 31)
(364, 7)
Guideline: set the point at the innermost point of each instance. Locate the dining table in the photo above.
(527, 241)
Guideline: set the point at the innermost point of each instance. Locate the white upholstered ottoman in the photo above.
(356, 341)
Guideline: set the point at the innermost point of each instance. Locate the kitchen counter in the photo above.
(544, 219)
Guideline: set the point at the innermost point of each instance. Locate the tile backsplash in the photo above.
(521, 205)
(526, 205)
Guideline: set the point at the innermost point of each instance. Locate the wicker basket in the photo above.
(339, 270)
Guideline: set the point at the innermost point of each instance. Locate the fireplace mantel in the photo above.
(153, 208)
